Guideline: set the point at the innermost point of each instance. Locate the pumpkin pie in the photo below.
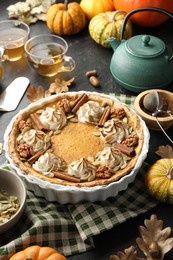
(78, 139)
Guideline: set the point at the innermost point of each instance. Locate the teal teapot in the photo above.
(142, 62)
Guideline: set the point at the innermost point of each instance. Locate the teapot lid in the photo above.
(145, 46)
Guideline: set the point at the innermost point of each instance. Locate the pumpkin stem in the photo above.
(117, 12)
(65, 5)
(170, 173)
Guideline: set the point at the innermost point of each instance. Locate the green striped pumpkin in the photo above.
(108, 24)
(159, 180)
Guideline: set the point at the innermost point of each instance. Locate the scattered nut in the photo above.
(91, 73)
(94, 81)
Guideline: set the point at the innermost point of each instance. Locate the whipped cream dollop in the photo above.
(53, 118)
(82, 169)
(47, 163)
(90, 112)
(111, 157)
(37, 139)
(115, 131)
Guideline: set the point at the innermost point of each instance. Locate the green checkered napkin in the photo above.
(70, 228)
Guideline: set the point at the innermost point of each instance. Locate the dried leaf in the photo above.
(60, 85)
(128, 254)
(165, 151)
(30, 11)
(154, 240)
(34, 94)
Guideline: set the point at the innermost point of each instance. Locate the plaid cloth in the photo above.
(70, 228)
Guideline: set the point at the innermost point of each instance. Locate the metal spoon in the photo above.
(154, 103)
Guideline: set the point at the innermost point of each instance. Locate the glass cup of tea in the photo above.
(13, 36)
(46, 54)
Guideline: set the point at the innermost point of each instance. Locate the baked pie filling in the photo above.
(77, 139)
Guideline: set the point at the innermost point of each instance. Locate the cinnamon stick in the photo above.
(79, 102)
(66, 177)
(125, 149)
(36, 120)
(104, 116)
(37, 155)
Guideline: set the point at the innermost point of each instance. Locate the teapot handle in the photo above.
(142, 9)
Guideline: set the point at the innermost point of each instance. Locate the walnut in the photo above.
(24, 150)
(131, 140)
(65, 105)
(117, 113)
(104, 172)
(23, 124)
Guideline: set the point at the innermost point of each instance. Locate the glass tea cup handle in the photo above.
(2, 53)
(69, 64)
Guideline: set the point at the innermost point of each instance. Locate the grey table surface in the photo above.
(89, 55)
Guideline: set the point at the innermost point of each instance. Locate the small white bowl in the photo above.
(165, 120)
(12, 183)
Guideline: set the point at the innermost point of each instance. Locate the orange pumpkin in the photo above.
(148, 18)
(93, 7)
(65, 19)
(38, 253)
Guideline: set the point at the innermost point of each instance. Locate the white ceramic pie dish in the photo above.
(69, 194)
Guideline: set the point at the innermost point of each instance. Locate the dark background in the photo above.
(89, 55)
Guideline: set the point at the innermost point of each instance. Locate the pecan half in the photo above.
(24, 150)
(131, 140)
(65, 105)
(104, 172)
(117, 113)
(23, 124)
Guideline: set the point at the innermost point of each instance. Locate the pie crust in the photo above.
(77, 140)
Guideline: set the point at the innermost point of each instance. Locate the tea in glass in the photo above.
(13, 35)
(46, 54)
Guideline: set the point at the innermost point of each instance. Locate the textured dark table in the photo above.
(88, 55)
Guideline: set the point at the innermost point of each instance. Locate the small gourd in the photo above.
(65, 18)
(106, 25)
(38, 253)
(159, 180)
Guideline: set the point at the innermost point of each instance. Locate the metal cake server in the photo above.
(11, 96)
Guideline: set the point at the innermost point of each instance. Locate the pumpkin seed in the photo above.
(46, 125)
(51, 133)
(62, 167)
(104, 104)
(91, 178)
(9, 205)
(97, 133)
(1, 148)
(90, 118)
(26, 129)
(73, 120)
(38, 145)
(27, 164)
(70, 116)
(47, 138)
(40, 111)
(23, 159)
(57, 132)
(125, 120)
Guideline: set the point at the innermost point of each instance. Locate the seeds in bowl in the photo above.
(9, 205)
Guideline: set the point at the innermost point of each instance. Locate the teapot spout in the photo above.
(114, 43)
